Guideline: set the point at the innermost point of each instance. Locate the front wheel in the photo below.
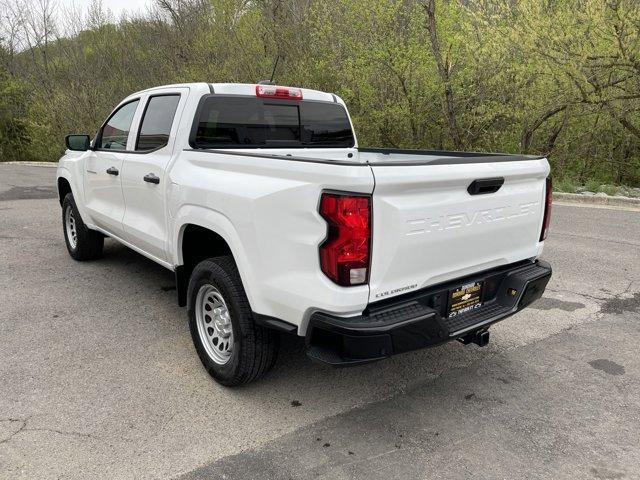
(82, 242)
(232, 348)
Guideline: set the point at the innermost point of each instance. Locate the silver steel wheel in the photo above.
(70, 225)
(214, 324)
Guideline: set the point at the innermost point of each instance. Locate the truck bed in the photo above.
(376, 156)
(388, 156)
(429, 224)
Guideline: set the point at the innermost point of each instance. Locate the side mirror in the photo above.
(78, 143)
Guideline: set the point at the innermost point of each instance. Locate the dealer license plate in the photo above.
(465, 298)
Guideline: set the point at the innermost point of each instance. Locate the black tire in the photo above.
(254, 347)
(89, 243)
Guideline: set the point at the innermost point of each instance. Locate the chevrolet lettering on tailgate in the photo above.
(464, 219)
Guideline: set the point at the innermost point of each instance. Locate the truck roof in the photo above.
(243, 89)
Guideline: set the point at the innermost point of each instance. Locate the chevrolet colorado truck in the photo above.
(274, 220)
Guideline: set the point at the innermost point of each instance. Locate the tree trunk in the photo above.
(529, 130)
(444, 70)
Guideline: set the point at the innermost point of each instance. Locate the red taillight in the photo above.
(345, 254)
(548, 200)
(273, 91)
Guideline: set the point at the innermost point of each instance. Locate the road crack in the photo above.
(25, 428)
(583, 295)
(23, 425)
(62, 432)
(613, 303)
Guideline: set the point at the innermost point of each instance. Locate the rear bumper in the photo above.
(419, 319)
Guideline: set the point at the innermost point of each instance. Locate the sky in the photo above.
(116, 6)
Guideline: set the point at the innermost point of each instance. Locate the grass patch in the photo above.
(565, 185)
(592, 186)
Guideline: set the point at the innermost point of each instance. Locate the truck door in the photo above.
(103, 168)
(144, 183)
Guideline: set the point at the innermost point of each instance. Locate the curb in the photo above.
(596, 200)
(32, 164)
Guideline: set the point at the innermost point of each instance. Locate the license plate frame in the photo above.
(465, 298)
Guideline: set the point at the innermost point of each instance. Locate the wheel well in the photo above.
(198, 243)
(63, 188)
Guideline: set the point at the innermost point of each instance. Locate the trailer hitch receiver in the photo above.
(479, 337)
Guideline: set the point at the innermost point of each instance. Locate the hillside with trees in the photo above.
(555, 77)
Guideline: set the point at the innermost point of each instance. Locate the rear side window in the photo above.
(225, 122)
(156, 122)
(116, 131)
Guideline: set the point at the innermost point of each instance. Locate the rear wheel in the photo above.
(82, 242)
(232, 348)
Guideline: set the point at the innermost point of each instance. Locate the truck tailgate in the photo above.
(428, 228)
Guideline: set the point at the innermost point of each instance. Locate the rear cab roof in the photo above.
(248, 89)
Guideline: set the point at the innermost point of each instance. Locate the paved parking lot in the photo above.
(99, 379)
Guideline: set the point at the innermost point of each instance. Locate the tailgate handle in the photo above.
(485, 185)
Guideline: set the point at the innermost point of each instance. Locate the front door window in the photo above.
(115, 133)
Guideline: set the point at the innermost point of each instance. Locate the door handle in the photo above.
(151, 178)
(485, 185)
(112, 171)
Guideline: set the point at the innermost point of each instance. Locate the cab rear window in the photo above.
(245, 122)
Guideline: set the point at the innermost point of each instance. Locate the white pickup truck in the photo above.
(273, 219)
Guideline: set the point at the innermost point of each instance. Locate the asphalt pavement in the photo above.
(99, 378)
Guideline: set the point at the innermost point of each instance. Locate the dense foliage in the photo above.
(558, 77)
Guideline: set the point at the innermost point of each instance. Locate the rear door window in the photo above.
(225, 122)
(156, 122)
